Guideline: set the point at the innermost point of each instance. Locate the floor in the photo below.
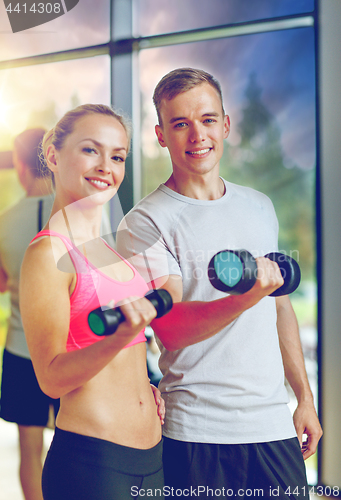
(10, 488)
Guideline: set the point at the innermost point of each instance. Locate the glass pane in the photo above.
(36, 96)
(271, 147)
(154, 18)
(84, 25)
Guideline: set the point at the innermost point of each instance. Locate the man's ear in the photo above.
(51, 158)
(226, 126)
(159, 134)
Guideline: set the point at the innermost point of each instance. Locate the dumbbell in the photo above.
(106, 322)
(235, 272)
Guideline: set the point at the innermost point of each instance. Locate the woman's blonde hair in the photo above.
(66, 125)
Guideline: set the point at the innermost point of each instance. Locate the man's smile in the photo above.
(199, 152)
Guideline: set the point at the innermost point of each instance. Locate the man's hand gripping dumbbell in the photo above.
(236, 271)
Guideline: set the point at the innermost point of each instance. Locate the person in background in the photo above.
(22, 400)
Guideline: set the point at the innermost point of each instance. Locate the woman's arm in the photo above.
(45, 310)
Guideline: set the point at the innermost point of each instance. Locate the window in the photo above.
(80, 27)
(33, 96)
(154, 18)
(37, 95)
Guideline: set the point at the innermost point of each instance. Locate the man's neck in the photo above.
(199, 189)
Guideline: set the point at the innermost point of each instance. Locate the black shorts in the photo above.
(22, 400)
(87, 468)
(273, 470)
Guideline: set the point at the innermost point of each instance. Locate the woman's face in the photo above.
(91, 163)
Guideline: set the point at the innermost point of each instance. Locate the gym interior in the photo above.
(279, 66)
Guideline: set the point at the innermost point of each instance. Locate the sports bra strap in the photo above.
(47, 232)
(78, 259)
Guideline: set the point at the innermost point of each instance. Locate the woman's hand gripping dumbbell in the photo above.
(106, 322)
(235, 272)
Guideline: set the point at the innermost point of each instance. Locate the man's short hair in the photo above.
(181, 80)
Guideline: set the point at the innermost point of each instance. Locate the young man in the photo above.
(222, 356)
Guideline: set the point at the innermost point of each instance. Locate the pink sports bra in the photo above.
(94, 289)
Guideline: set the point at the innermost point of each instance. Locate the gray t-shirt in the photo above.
(230, 387)
(18, 225)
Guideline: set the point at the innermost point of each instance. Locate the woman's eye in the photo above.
(89, 150)
(118, 158)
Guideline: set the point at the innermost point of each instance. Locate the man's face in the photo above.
(193, 129)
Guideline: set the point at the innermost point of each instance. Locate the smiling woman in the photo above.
(107, 405)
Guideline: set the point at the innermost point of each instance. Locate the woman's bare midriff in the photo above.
(116, 405)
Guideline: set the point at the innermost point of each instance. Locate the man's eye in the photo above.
(209, 120)
(181, 125)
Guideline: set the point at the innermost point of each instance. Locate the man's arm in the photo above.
(305, 417)
(191, 322)
(3, 281)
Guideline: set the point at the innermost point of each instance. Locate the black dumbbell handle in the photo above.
(106, 322)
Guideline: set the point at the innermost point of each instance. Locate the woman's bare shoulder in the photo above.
(44, 253)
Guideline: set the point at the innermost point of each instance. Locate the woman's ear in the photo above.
(51, 158)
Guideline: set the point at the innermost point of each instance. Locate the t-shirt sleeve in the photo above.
(142, 243)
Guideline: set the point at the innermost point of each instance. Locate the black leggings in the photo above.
(87, 468)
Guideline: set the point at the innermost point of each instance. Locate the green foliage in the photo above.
(155, 172)
(305, 309)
